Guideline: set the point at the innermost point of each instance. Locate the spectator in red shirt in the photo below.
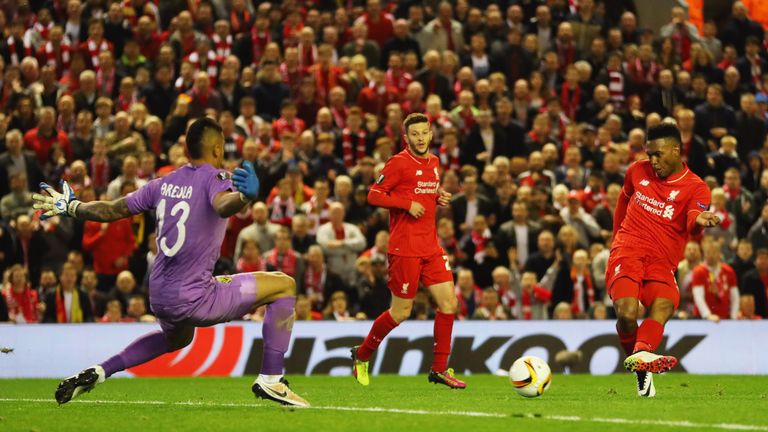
(380, 24)
(22, 300)
(111, 244)
(42, 138)
(715, 290)
(250, 260)
(96, 43)
(148, 38)
(377, 95)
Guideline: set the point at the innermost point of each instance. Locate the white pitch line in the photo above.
(670, 423)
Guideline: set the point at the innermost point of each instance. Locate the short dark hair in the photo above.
(195, 134)
(664, 130)
(413, 119)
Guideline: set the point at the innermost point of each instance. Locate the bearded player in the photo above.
(409, 187)
(662, 203)
(192, 205)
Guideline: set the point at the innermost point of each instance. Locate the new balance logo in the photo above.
(418, 172)
(669, 212)
(673, 195)
(405, 288)
(617, 269)
(644, 182)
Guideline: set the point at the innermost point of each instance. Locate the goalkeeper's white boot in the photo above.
(644, 361)
(645, 387)
(80, 383)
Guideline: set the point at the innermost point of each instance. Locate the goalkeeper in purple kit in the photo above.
(192, 205)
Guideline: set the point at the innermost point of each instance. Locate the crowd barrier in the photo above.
(234, 349)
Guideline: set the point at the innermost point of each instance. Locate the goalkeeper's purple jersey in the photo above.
(189, 235)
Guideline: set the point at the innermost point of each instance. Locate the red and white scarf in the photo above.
(466, 121)
(282, 210)
(223, 46)
(285, 263)
(398, 80)
(94, 49)
(125, 103)
(570, 99)
(43, 30)
(52, 58)
(319, 215)
(616, 87)
(291, 78)
(449, 161)
(540, 295)
(352, 155)
(211, 64)
(340, 116)
(259, 44)
(480, 240)
(15, 58)
(314, 283)
(307, 55)
(643, 73)
(581, 283)
(324, 82)
(105, 84)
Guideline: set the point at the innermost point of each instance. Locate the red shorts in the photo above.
(405, 273)
(652, 278)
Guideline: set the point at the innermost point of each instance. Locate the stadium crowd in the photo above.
(537, 108)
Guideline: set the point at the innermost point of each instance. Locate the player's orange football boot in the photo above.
(644, 361)
(446, 378)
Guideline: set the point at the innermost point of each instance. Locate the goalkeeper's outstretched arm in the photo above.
(103, 211)
(63, 203)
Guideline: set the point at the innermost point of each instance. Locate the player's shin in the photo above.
(278, 325)
(142, 350)
(649, 335)
(380, 329)
(627, 339)
(443, 332)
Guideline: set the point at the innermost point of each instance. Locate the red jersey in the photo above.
(717, 287)
(407, 178)
(660, 213)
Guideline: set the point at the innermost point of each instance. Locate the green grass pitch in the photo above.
(393, 404)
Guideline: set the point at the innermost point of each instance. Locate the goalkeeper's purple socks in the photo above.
(278, 325)
(142, 350)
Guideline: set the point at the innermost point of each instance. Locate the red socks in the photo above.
(627, 340)
(443, 336)
(381, 328)
(385, 324)
(649, 335)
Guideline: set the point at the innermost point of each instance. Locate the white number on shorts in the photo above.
(447, 266)
(183, 207)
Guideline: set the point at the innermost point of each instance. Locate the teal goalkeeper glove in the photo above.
(56, 204)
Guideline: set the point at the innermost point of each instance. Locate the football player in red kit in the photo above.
(662, 203)
(409, 187)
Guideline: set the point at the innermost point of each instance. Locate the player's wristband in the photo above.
(72, 207)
